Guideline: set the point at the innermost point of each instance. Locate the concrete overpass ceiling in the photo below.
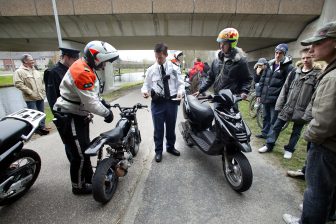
(128, 24)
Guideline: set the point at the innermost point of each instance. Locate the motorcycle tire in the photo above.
(135, 143)
(32, 161)
(239, 176)
(104, 181)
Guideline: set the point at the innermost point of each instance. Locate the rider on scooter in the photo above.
(230, 69)
(79, 98)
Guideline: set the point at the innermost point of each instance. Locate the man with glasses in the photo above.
(30, 81)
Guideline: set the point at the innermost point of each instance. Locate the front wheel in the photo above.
(104, 181)
(135, 143)
(238, 171)
(23, 169)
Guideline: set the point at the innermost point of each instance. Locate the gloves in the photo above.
(109, 118)
(106, 104)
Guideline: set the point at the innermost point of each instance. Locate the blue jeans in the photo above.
(269, 117)
(37, 105)
(164, 113)
(321, 183)
(275, 131)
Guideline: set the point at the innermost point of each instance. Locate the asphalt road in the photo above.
(186, 189)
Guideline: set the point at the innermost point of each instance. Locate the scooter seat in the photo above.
(114, 135)
(11, 131)
(201, 113)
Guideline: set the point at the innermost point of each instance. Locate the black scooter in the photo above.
(19, 167)
(121, 145)
(227, 136)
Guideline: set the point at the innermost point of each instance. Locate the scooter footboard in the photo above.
(95, 146)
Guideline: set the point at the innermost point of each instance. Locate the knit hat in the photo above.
(282, 47)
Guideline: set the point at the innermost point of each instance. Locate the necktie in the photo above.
(165, 83)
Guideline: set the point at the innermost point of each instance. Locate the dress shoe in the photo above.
(85, 189)
(42, 131)
(158, 157)
(174, 152)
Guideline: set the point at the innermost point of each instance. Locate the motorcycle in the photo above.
(121, 145)
(228, 137)
(19, 167)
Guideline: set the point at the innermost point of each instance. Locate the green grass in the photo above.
(6, 81)
(276, 156)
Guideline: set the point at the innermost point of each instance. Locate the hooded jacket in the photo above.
(271, 82)
(321, 129)
(30, 82)
(296, 94)
(229, 72)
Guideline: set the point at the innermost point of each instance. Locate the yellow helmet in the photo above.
(229, 35)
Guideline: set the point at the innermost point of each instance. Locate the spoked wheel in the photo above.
(238, 171)
(21, 171)
(135, 143)
(104, 181)
(252, 108)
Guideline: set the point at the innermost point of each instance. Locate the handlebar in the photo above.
(133, 109)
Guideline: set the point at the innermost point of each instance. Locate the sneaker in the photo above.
(301, 207)
(261, 136)
(288, 155)
(296, 174)
(85, 189)
(289, 219)
(263, 149)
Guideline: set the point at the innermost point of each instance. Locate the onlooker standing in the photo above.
(259, 67)
(27, 79)
(321, 159)
(292, 102)
(271, 82)
(164, 84)
(196, 75)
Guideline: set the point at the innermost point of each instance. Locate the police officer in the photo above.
(79, 97)
(164, 84)
(54, 76)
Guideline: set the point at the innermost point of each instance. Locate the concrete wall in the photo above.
(327, 15)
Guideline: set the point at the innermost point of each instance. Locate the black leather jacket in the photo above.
(236, 75)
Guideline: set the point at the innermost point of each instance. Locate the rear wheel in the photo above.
(104, 181)
(238, 171)
(24, 169)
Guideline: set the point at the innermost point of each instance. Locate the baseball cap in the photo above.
(261, 61)
(326, 31)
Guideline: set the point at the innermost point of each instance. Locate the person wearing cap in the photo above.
(292, 102)
(321, 133)
(54, 76)
(270, 84)
(30, 82)
(79, 99)
(259, 67)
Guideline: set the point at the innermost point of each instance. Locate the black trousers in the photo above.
(76, 135)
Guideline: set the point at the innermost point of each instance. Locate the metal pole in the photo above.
(58, 30)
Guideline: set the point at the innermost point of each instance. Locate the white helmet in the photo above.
(178, 54)
(96, 52)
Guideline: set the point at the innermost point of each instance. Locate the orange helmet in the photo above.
(230, 35)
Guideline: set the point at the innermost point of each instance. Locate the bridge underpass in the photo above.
(129, 25)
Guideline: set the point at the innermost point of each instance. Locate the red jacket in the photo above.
(198, 67)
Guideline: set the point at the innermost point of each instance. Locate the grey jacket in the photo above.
(321, 129)
(296, 94)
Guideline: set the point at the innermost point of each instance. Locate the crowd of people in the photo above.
(304, 94)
